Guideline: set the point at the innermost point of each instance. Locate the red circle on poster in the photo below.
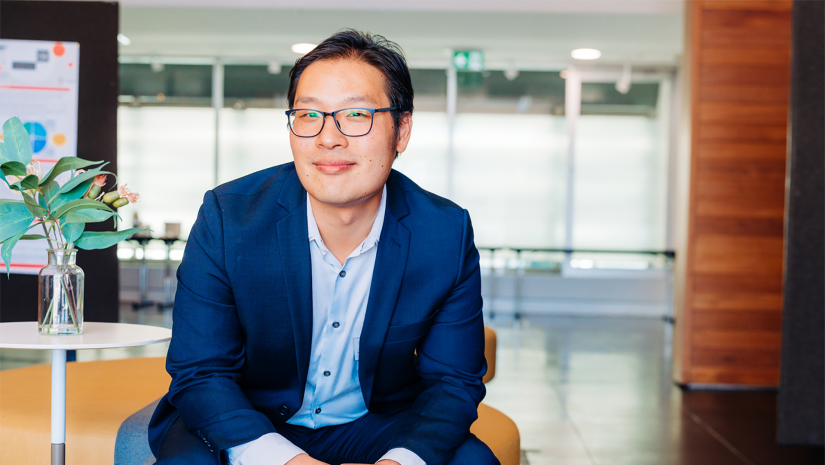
(59, 50)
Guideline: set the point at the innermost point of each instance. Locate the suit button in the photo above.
(284, 410)
(318, 410)
(326, 373)
(336, 324)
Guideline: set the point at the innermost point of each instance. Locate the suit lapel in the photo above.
(293, 243)
(390, 264)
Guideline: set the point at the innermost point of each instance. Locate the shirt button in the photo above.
(342, 273)
(326, 373)
(336, 324)
(318, 410)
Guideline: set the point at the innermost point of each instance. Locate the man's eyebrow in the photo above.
(352, 99)
(307, 100)
(358, 99)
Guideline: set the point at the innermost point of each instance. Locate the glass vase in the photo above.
(60, 294)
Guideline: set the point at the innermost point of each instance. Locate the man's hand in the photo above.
(304, 459)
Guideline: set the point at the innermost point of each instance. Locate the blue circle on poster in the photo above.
(37, 136)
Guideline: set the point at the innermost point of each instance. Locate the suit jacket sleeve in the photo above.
(207, 350)
(451, 365)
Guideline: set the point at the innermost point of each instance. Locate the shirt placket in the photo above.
(332, 339)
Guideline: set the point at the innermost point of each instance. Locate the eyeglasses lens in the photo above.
(353, 122)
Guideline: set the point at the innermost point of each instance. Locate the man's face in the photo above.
(336, 169)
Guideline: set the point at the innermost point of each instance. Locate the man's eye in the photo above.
(312, 114)
(357, 113)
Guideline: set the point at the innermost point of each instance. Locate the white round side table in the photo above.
(24, 335)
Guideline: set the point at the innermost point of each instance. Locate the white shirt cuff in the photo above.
(269, 449)
(403, 456)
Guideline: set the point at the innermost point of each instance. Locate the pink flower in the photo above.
(100, 180)
(126, 192)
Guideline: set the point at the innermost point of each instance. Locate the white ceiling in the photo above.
(525, 34)
(525, 6)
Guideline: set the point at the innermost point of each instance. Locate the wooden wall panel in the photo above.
(739, 73)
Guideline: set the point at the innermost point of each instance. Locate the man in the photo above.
(329, 310)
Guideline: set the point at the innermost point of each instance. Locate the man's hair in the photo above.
(372, 49)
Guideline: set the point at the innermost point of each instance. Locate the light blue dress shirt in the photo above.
(332, 395)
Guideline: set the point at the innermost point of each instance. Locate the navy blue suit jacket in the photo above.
(242, 332)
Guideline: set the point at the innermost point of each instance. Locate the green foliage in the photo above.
(80, 204)
(33, 206)
(66, 164)
(16, 141)
(27, 183)
(11, 168)
(100, 240)
(8, 245)
(72, 231)
(61, 210)
(87, 215)
(76, 181)
(16, 218)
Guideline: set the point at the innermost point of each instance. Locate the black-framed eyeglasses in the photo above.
(352, 122)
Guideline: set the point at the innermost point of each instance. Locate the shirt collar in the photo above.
(369, 242)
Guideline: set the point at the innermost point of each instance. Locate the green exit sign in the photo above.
(469, 60)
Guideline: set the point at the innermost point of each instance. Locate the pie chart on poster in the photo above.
(37, 135)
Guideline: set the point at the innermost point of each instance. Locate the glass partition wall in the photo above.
(507, 145)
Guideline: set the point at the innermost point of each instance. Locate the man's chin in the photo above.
(335, 199)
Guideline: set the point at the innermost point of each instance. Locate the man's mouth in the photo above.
(333, 166)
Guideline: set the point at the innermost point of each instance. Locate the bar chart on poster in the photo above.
(38, 84)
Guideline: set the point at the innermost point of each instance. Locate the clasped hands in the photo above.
(305, 459)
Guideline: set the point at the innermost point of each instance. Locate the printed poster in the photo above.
(38, 84)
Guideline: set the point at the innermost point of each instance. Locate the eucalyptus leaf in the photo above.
(72, 231)
(15, 218)
(27, 183)
(16, 141)
(33, 207)
(47, 192)
(74, 194)
(87, 215)
(81, 178)
(32, 237)
(13, 168)
(8, 245)
(66, 164)
(101, 240)
(80, 204)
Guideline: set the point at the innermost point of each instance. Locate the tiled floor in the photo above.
(598, 391)
(592, 391)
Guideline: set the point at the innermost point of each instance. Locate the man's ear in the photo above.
(404, 131)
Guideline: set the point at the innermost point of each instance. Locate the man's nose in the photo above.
(330, 137)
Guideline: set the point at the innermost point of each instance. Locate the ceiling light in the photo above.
(303, 48)
(123, 40)
(273, 67)
(585, 54)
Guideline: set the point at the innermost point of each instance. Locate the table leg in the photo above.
(58, 406)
